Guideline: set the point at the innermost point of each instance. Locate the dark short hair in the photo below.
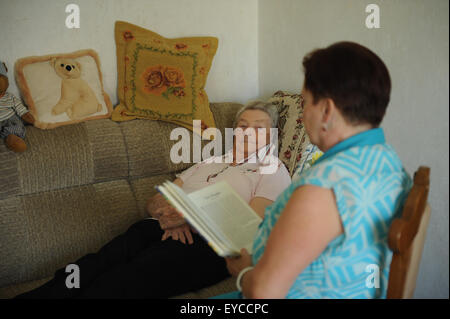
(354, 77)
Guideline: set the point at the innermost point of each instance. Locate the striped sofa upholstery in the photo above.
(77, 187)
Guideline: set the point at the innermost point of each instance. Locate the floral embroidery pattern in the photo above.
(203, 125)
(163, 80)
(291, 134)
(128, 36)
(180, 46)
(190, 84)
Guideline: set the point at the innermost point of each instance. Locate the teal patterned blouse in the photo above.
(370, 185)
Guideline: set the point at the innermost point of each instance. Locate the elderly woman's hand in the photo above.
(169, 217)
(236, 264)
(180, 233)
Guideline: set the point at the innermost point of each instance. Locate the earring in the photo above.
(325, 127)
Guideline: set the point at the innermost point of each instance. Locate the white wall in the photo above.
(37, 27)
(413, 42)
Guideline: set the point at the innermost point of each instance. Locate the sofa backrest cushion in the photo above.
(78, 186)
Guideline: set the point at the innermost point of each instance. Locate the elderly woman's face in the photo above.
(249, 138)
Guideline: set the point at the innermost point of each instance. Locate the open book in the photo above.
(218, 213)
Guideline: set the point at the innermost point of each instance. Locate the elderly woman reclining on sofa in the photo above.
(162, 256)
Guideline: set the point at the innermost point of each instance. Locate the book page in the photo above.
(228, 214)
(183, 204)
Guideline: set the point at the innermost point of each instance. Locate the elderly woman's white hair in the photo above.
(269, 108)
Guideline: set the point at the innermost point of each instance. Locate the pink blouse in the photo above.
(245, 178)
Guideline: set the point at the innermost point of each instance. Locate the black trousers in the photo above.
(137, 264)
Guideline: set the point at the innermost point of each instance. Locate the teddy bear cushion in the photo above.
(162, 79)
(61, 89)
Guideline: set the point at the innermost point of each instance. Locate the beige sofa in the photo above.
(77, 187)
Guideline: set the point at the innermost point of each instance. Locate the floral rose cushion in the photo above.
(292, 137)
(162, 79)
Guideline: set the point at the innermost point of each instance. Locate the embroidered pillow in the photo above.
(61, 89)
(162, 79)
(292, 137)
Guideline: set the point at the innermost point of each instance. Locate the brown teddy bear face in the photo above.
(67, 68)
(4, 83)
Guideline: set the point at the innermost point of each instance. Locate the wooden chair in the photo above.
(407, 238)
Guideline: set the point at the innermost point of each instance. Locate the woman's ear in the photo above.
(78, 65)
(328, 113)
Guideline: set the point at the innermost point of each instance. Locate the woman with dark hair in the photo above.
(325, 236)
